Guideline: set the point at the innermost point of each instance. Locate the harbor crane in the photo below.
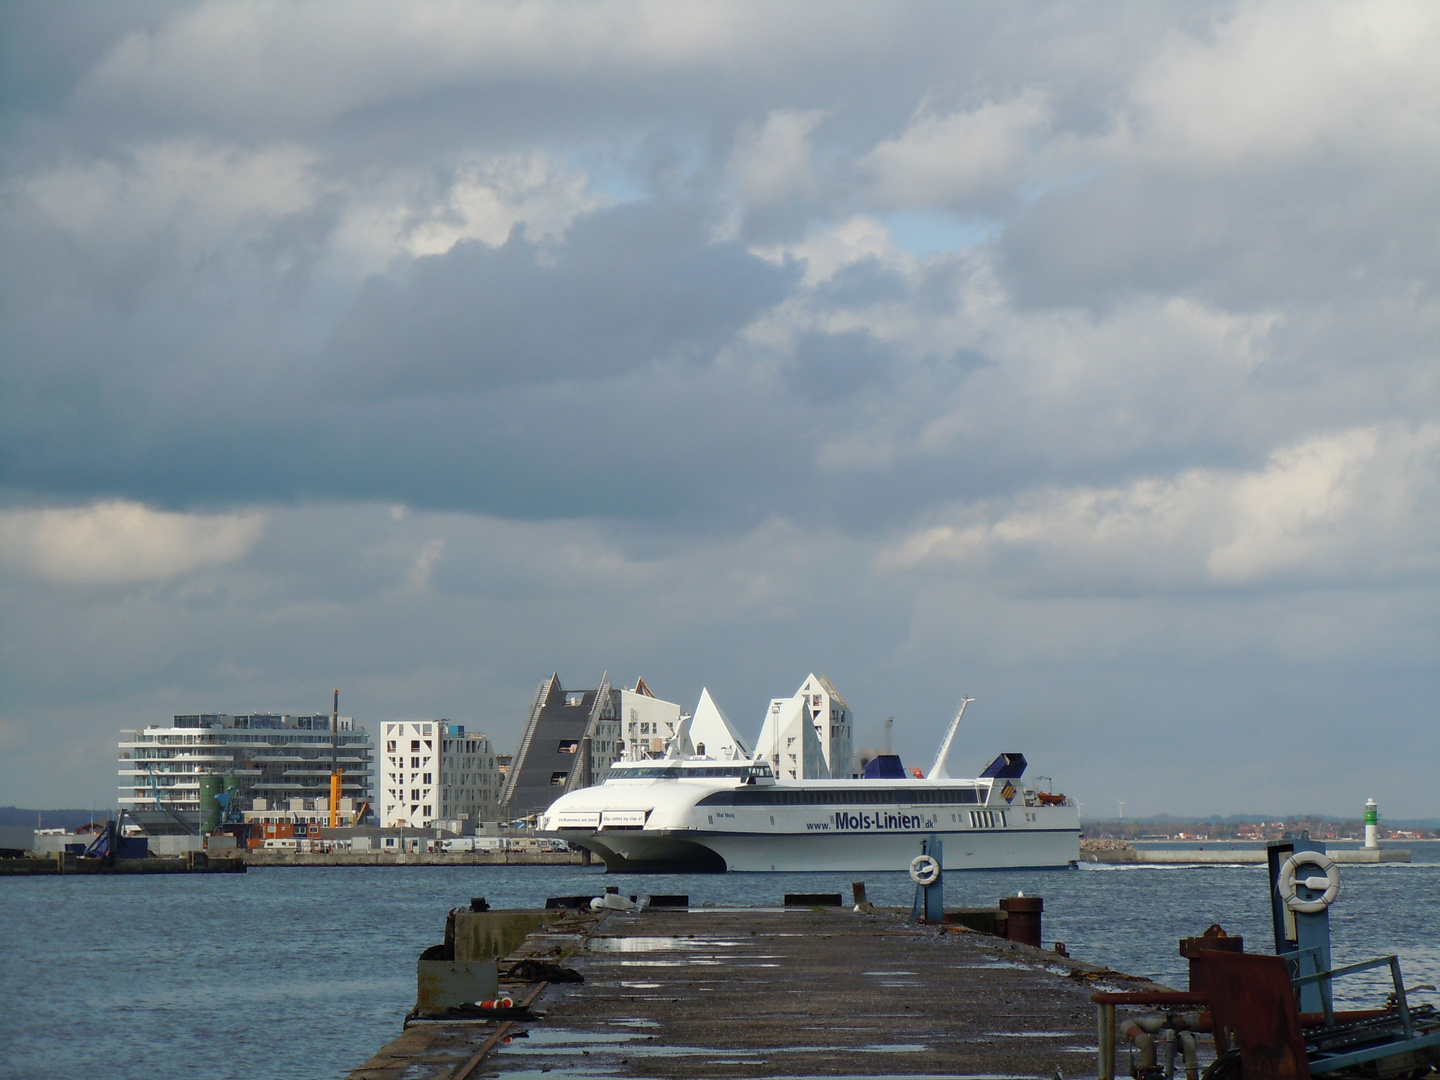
(335, 771)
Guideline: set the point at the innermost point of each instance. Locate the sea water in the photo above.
(303, 973)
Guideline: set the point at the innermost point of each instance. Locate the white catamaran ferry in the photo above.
(694, 813)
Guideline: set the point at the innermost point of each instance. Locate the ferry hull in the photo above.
(693, 851)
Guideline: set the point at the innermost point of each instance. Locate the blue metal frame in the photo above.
(1411, 1040)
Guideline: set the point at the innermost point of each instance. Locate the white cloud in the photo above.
(197, 195)
(1357, 506)
(944, 159)
(297, 64)
(827, 250)
(490, 198)
(410, 215)
(771, 162)
(117, 542)
(418, 579)
(210, 188)
(1281, 78)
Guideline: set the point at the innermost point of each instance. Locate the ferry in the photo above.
(692, 813)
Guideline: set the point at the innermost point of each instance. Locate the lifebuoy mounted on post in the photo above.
(924, 870)
(1328, 886)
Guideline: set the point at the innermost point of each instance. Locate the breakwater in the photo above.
(1221, 856)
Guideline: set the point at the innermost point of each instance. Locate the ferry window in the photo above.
(426, 779)
(557, 779)
(390, 747)
(575, 698)
(415, 745)
(569, 746)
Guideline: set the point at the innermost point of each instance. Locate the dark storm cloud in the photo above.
(632, 288)
(833, 367)
(1311, 230)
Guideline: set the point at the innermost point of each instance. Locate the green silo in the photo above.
(210, 786)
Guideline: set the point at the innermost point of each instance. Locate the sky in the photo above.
(1083, 358)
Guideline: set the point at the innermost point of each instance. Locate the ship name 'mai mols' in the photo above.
(672, 806)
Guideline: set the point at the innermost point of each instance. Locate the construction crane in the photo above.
(335, 770)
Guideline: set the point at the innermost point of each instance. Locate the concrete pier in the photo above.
(774, 992)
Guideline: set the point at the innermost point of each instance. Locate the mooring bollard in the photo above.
(1023, 923)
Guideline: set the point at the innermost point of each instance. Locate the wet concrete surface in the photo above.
(776, 993)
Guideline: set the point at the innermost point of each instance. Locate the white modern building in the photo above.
(710, 733)
(434, 770)
(469, 777)
(809, 736)
(277, 758)
(647, 723)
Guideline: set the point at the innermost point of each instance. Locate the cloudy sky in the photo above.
(1081, 358)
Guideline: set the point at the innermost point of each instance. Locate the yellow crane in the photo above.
(336, 773)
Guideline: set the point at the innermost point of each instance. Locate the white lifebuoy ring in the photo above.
(924, 870)
(1330, 883)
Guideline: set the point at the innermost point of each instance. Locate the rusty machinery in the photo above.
(1273, 1017)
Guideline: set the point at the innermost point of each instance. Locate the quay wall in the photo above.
(260, 857)
(69, 864)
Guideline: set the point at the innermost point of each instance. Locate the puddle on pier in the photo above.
(604, 1069)
(570, 1040)
(1027, 1034)
(547, 1040)
(656, 944)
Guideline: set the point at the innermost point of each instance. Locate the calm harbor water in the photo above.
(301, 974)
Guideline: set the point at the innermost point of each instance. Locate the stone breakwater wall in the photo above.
(1226, 856)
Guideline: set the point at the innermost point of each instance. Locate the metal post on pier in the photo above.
(927, 871)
